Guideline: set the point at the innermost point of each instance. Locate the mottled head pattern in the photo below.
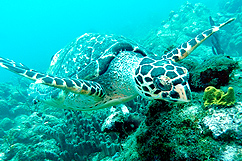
(162, 80)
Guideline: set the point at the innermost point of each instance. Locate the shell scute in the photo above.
(89, 56)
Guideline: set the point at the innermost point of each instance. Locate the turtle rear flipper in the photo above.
(77, 86)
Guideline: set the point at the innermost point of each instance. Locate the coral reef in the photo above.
(181, 26)
(186, 132)
(149, 130)
(215, 39)
(191, 19)
(49, 133)
(139, 105)
(43, 132)
(233, 8)
(235, 42)
(214, 71)
(225, 123)
(124, 124)
(77, 138)
(213, 96)
(6, 123)
(84, 137)
(171, 133)
(230, 6)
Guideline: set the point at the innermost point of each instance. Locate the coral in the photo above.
(4, 108)
(6, 123)
(138, 105)
(216, 46)
(230, 6)
(43, 132)
(232, 153)
(235, 42)
(79, 137)
(42, 151)
(225, 123)
(13, 98)
(213, 96)
(72, 136)
(214, 71)
(170, 132)
(181, 26)
(121, 123)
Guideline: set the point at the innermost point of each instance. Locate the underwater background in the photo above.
(32, 32)
(207, 128)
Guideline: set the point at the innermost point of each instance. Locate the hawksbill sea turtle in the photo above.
(97, 71)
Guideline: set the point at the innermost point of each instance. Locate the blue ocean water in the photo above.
(32, 31)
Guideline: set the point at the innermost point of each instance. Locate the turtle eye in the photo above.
(162, 84)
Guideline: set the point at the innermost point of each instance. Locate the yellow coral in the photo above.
(213, 96)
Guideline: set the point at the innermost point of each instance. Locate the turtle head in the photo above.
(162, 80)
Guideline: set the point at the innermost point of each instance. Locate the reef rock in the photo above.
(225, 123)
(181, 26)
(7, 123)
(214, 71)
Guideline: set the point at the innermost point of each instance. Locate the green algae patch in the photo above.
(213, 96)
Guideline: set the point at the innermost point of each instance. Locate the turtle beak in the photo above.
(184, 92)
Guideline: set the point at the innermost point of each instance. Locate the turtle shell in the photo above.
(89, 56)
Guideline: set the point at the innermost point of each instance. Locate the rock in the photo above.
(2, 133)
(181, 26)
(225, 123)
(18, 96)
(7, 123)
(122, 123)
(214, 71)
(4, 107)
(231, 6)
(19, 110)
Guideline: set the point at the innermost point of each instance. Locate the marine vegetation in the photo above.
(213, 96)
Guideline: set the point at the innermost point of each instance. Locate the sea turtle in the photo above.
(97, 71)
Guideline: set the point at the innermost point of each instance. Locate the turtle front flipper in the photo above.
(77, 86)
(186, 48)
